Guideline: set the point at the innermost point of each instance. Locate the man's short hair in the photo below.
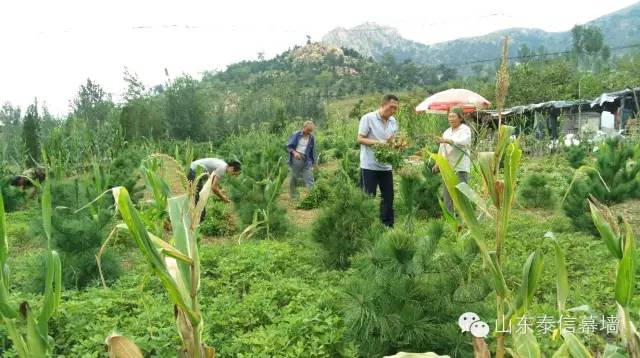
(234, 164)
(389, 97)
(306, 123)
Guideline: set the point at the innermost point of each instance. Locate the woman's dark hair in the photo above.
(234, 164)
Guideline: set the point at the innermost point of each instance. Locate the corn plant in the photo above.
(501, 190)
(159, 190)
(263, 216)
(621, 245)
(35, 342)
(176, 264)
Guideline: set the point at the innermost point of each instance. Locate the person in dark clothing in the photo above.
(377, 128)
(26, 179)
(301, 148)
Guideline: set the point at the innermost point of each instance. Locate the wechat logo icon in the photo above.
(470, 322)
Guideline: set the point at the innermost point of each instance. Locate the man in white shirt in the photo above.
(217, 168)
(454, 145)
(377, 128)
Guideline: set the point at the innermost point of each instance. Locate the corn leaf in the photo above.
(5, 306)
(607, 227)
(202, 202)
(504, 137)
(461, 203)
(530, 278)
(122, 347)
(48, 305)
(163, 246)
(57, 280)
(562, 352)
(157, 186)
(147, 248)
(36, 343)
(611, 351)
(575, 346)
(511, 164)
(16, 338)
(471, 194)
(487, 169)
(498, 278)
(4, 243)
(448, 216)
(178, 205)
(525, 345)
(562, 275)
(625, 280)
(46, 211)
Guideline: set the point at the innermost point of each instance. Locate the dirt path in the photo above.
(302, 218)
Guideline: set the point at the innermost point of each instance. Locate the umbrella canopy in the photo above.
(469, 101)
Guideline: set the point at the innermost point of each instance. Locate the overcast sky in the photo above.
(50, 47)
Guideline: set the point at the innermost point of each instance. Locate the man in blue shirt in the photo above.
(302, 154)
(377, 128)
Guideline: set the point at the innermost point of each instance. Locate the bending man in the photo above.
(217, 168)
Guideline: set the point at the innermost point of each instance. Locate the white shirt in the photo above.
(211, 165)
(459, 159)
(373, 127)
(302, 145)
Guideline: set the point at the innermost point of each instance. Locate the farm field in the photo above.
(229, 213)
(286, 293)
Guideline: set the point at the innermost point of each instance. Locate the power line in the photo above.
(535, 55)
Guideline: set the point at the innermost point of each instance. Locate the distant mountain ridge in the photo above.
(620, 28)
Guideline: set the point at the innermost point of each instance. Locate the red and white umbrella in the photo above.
(469, 101)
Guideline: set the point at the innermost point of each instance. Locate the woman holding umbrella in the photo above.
(454, 145)
(456, 140)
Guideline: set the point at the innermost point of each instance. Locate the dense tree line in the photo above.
(294, 85)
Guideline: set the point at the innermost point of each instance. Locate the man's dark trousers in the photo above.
(371, 180)
(191, 177)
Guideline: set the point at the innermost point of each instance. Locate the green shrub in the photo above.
(384, 301)
(536, 192)
(427, 196)
(14, 198)
(349, 168)
(317, 196)
(346, 226)
(219, 221)
(78, 236)
(576, 155)
(419, 189)
(269, 298)
(618, 162)
(256, 203)
(123, 171)
(410, 182)
(618, 165)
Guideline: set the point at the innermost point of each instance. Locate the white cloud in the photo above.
(51, 47)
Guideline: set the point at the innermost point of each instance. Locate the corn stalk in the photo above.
(177, 265)
(262, 216)
(621, 245)
(35, 342)
(501, 192)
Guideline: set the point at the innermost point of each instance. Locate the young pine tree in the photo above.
(31, 133)
(403, 295)
(346, 226)
(618, 165)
